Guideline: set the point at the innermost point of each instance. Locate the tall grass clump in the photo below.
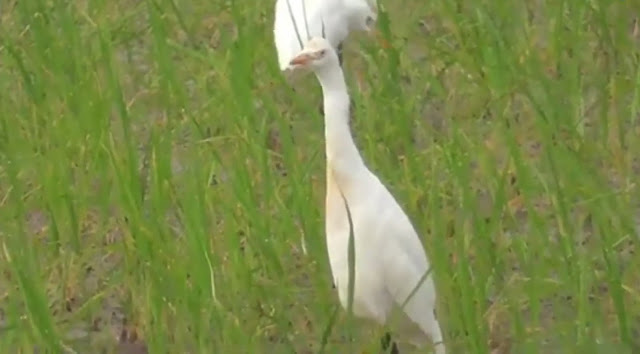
(162, 184)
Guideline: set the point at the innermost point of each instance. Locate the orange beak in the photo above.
(381, 40)
(302, 59)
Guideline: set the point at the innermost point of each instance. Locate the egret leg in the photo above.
(388, 343)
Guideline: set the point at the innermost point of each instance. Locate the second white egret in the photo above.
(298, 20)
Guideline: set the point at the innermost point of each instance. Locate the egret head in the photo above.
(362, 14)
(316, 53)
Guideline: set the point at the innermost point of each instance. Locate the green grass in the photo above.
(158, 175)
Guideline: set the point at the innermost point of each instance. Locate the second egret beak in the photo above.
(373, 31)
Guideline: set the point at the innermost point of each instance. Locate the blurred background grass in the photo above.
(160, 180)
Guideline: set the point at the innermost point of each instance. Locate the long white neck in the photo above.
(343, 157)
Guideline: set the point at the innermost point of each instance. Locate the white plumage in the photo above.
(389, 257)
(340, 17)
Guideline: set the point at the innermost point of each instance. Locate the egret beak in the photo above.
(302, 59)
(373, 31)
(379, 37)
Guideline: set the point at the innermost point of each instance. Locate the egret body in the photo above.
(390, 262)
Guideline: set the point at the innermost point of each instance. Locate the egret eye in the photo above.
(369, 21)
(322, 52)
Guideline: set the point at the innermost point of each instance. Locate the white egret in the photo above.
(306, 17)
(391, 267)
